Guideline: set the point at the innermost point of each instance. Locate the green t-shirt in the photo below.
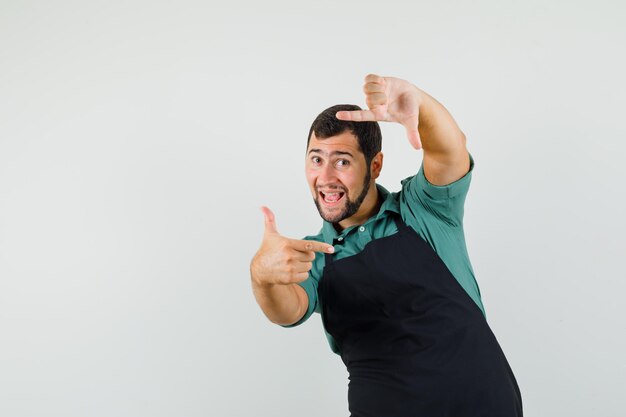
(434, 212)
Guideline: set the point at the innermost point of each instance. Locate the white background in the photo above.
(139, 139)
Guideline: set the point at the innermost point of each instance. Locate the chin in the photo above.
(334, 219)
(335, 215)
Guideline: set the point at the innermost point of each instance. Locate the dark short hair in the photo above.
(368, 134)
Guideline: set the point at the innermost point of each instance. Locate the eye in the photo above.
(343, 163)
(316, 160)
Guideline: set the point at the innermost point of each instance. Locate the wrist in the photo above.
(425, 105)
(420, 96)
(256, 276)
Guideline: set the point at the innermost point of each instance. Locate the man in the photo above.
(389, 272)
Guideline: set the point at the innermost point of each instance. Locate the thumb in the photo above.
(412, 132)
(414, 137)
(270, 222)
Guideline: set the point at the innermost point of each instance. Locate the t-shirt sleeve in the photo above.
(310, 287)
(443, 201)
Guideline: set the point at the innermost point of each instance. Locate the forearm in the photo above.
(446, 158)
(282, 304)
(438, 130)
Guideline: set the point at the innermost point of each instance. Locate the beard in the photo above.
(350, 207)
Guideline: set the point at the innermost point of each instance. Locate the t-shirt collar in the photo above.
(329, 233)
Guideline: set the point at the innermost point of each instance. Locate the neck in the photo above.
(371, 206)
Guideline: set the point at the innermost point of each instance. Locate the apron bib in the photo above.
(413, 341)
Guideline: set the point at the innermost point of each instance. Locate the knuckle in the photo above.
(285, 279)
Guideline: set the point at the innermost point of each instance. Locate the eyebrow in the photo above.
(333, 153)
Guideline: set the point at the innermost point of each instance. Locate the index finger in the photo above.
(357, 115)
(311, 246)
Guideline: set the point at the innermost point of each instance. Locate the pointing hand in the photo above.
(281, 260)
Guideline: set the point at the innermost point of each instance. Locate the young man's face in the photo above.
(338, 176)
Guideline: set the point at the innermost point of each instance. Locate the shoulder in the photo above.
(419, 184)
(419, 198)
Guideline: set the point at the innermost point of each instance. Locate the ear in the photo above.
(376, 165)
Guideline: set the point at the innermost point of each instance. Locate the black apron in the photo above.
(413, 341)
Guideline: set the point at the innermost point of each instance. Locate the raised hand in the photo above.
(281, 260)
(389, 99)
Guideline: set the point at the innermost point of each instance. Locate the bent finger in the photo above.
(303, 267)
(374, 78)
(300, 276)
(373, 88)
(376, 99)
(306, 256)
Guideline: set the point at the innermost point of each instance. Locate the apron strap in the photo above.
(328, 257)
(400, 224)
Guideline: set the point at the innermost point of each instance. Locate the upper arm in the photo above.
(443, 168)
(421, 197)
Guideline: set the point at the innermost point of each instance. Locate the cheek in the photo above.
(348, 180)
(311, 177)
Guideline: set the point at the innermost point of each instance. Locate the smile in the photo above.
(332, 198)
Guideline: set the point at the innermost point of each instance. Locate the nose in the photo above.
(327, 175)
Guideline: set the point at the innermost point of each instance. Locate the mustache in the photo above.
(331, 188)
